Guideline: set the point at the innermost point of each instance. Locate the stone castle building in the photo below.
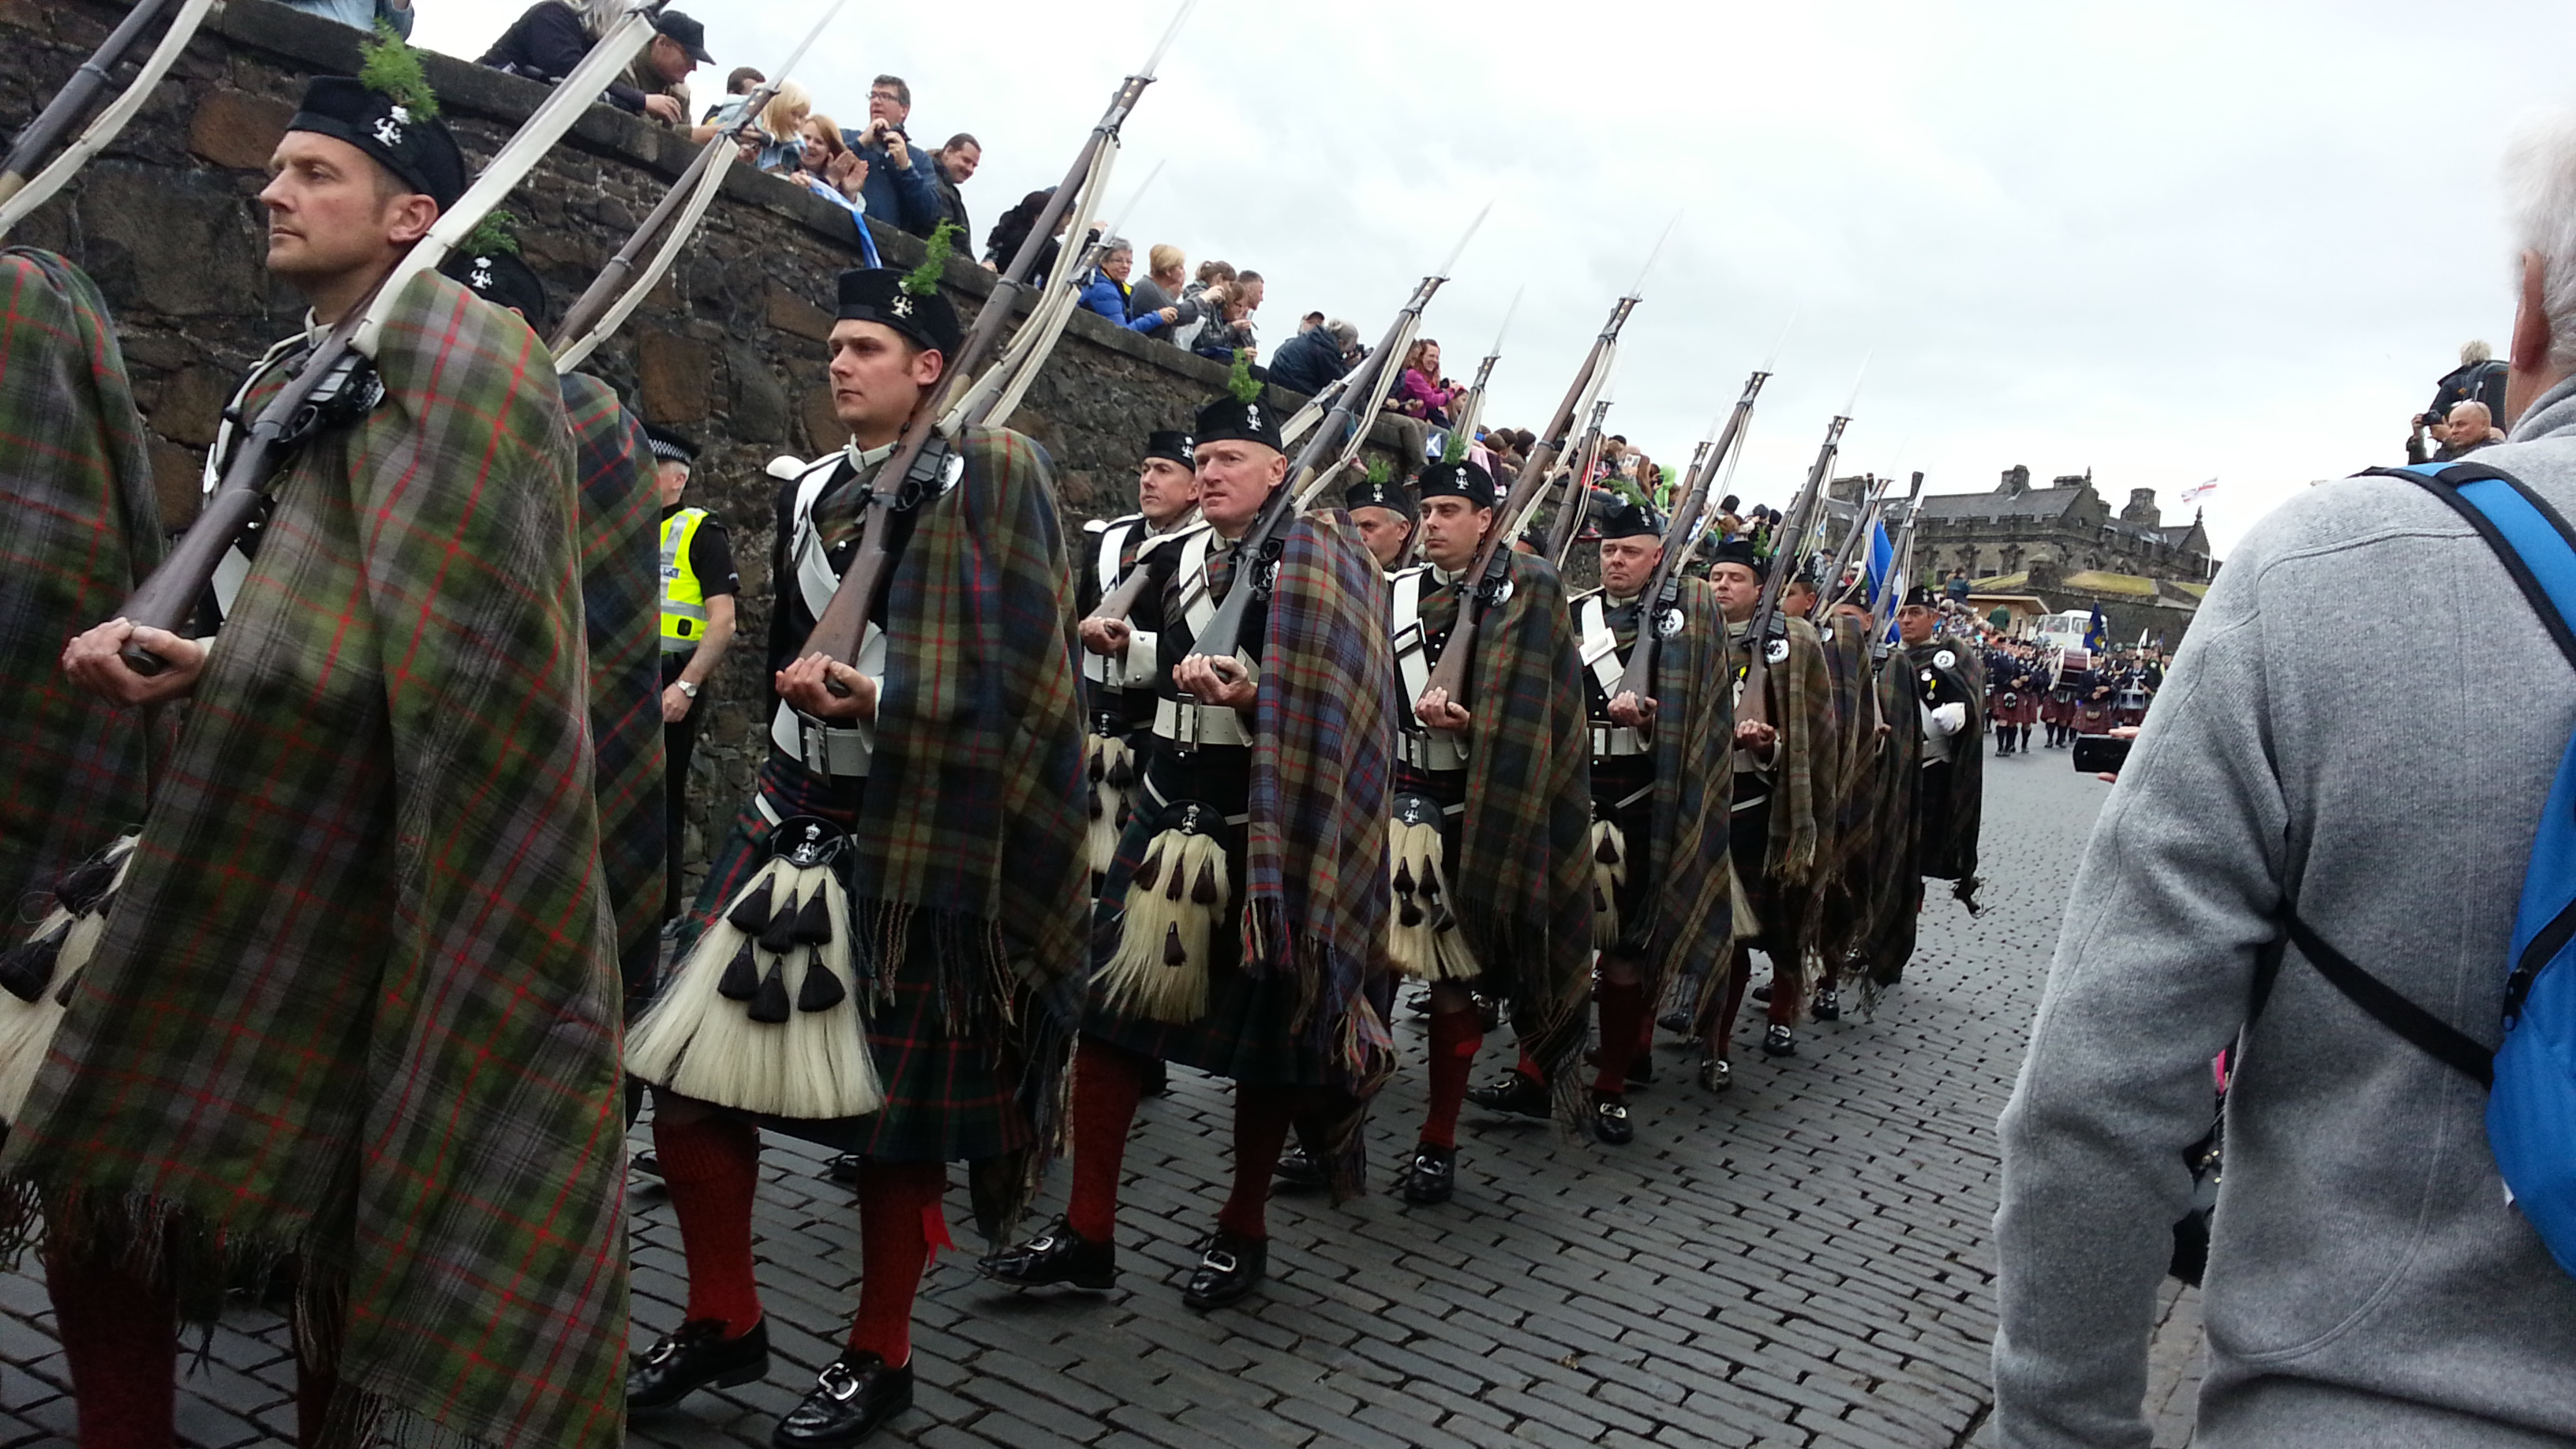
(2066, 526)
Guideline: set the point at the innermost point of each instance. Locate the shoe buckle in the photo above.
(1042, 1243)
(839, 1382)
(1219, 1260)
(662, 1351)
(1616, 1111)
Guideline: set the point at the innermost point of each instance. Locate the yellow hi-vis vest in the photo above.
(684, 594)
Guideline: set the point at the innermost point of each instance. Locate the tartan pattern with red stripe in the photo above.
(359, 999)
(1691, 908)
(78, 529)
(621, 602)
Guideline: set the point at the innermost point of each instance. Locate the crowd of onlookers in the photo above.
(2466, 404)
(877, 171)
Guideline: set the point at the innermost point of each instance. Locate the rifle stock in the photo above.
(1664, 589)
(72, 104)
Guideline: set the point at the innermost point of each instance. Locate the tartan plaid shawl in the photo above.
(1693, 895)
(1803, 777)
(76, 489)
(1880, 873)
(1523, 877)
(974, 815)
(621, 602)
(1842, 821)
(1951, 853)
(358, 1002)
(1323, 757)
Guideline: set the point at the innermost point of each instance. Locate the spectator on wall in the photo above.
(360, 14)
(1160, 287)
(1421, 392)
(1012, 232)
(738, 82)
(1105, 291)
(1308, 362)
(1310, 322)
(826, 165)
(550, 38)
(952, 166)
(900, 189)
(2479, 378)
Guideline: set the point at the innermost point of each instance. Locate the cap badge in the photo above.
(903, 304)
(1252, 416)
(389, 126)
(482, 274)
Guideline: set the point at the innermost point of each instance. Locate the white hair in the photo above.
(2540, 191)
(2476, 351)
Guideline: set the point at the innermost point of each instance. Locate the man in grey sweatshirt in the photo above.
(2364, 721)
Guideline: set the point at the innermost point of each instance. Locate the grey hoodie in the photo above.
(2365, 718)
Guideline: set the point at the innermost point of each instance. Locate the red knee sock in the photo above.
(1455, 1035)
(712, 1167)
(1623, 1003)
(901, 1224)
(1108, 1082)
(121, 1342)
(1261, 1119)
(1786, 994)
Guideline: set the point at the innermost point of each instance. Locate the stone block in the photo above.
(236, 129)
(177, 243)
(176, 472)
(673, 374)
(789, 311)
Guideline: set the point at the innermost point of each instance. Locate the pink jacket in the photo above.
(1416, 396)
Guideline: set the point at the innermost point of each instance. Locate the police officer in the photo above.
(698, 588)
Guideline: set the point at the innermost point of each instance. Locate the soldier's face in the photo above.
(1165, 490)
(1628, 563)
(1385, 532)
(1914, 623)
(1451, 529)
(1235, 476)
(1739, 589)
(877, 378)
(332, 211)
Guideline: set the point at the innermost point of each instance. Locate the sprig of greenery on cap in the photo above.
(1455, 451)
(1239, 379)
(498, 231)
(392, 69)
(923, 280)
(1380, 470)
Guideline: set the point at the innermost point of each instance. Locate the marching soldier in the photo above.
(886, 945)
(1118, 690)
(1489, 856)
(1953, 761)
(384, 1002)
(2015, 698)
(1385, 518)
(1242, 925)
(1784, 791)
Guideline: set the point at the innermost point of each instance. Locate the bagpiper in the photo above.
(1241, 930)
(884, 956)
(1952, 698)
(370, 1025)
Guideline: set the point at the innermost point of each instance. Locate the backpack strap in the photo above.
(2538, 550)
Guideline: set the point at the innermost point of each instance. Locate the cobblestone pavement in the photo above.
(1806, 1260)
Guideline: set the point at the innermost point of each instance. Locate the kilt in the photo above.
(1247, 1032)
(2015, 707)
(1623, 793)
(948, 1098)
(1749, 843)
(2057, 710)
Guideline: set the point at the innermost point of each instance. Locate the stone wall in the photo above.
(727, 349)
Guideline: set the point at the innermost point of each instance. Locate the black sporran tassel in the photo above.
(1409, 913)
(1203, 891)
(1122, 774)
(1173, 955)
(1099, 758)
(814, 922)
(1096, 811)
(1404, 879)
(750, 915)
(27, 969)
(1147, 873)
(81, 889)
(1606, 853)
(769, 1005)
(741, 979)
(822, 989)
(780, 934)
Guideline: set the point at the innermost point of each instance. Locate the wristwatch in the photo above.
(687, 688)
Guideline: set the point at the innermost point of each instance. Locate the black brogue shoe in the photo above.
(855, 1393)
(696, 1357)
(1227, 1272)
(1056, 1256)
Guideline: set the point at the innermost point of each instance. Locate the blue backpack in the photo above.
(2531, 1079)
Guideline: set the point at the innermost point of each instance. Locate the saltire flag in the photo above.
(1896, 583)
(1881, 558)
(2097, 634)
(2200, 491)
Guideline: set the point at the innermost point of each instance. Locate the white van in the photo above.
(2061, 631)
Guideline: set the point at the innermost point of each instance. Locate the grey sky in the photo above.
(2167, 242)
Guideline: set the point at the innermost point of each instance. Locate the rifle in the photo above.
(1492, 566)
(1577, 499)
(913, 473)
(614, 294)
(333, 378)
(996, 395)
(1472, 411)
(72, 104)
(1340, 435)
(1664, 590)
(1900, 563)
(1864, 513)
(1793, 532)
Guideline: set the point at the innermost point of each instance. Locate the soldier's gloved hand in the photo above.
(1949, 719)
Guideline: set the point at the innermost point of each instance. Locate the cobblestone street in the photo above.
(1806, 1260)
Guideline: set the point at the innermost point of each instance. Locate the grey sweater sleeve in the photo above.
(2150, 981)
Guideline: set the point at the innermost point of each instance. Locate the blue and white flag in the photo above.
(1881, 558)
(2097, 634)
